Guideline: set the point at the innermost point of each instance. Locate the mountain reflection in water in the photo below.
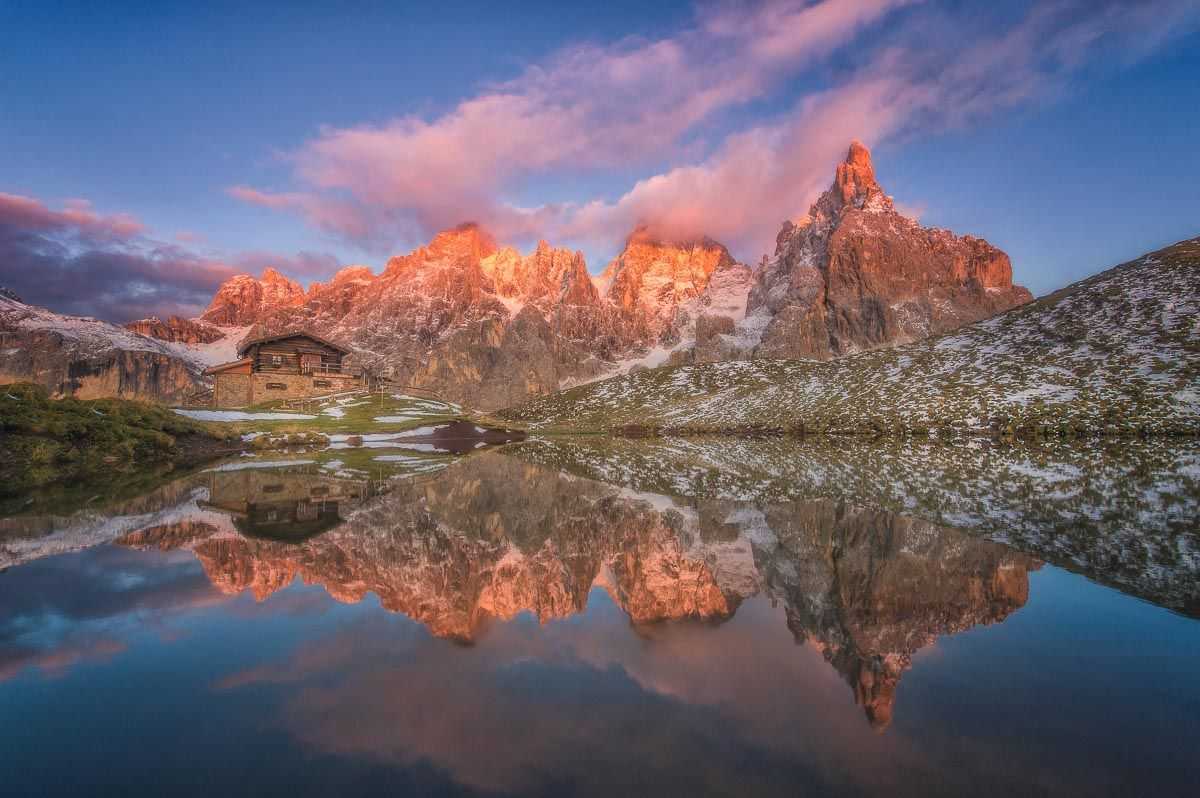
(494, 537)
(710, 551)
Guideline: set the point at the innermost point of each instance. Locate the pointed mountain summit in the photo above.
(467, 240)
(548, 275)
(855, 178)
(854, 274)
(652, 279)
(242, 300)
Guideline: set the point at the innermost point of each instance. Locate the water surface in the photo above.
(615, 617)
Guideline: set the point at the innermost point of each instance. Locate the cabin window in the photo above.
(276, 360)
(322, 384)
(272, 489)
(276, 386)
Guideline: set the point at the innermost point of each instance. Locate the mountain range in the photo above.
(485, 325)
(1113, 354)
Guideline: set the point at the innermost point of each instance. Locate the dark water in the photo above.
(621, 618)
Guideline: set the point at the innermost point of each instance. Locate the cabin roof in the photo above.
(227, 366)
(294, 334)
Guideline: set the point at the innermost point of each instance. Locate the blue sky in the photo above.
(154, 149)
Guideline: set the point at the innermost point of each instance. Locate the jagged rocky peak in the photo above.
(353, 274)
(854, 274)
(344, 284)
(465, 245)
(660, 285)
(855, 179)
(854, 188)
(242, 300)
(278, 289)
(653, 275)
(466, 241)
(548, 274)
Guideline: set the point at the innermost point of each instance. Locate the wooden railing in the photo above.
(329, 368)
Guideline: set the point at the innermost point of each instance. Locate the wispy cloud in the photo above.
(639, 102)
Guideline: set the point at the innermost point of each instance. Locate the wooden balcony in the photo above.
(335, 369)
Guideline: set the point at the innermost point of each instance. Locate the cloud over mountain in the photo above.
(76, 260)
(875, 69)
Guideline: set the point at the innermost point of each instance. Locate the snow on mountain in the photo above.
(212, 353)
(87, 335)
(485, 325)
(1113, 352)
(85, 357)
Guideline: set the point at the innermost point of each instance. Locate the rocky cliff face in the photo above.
(477, 323)
(86, 358)
(487, 326)
(854, 274)
(176, 330)
(242, 300)
(651, 281)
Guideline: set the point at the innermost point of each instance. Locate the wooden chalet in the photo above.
(293, 353)
(293, 365)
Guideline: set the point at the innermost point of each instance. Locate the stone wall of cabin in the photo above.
(243, 390)
(231, 390)
(268, 387)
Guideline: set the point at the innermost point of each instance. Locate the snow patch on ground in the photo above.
(247, 465)
(240, 415)
(403, 458)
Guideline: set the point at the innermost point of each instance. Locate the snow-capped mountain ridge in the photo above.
(85, 357)
(486, 325)
(1113, 353)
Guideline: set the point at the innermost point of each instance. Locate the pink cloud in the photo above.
(588, 107)
(758, 178)
(768, 173)
(77, 216)
(638, 102)
(322, 210)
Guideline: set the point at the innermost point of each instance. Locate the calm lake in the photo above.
(613, 617)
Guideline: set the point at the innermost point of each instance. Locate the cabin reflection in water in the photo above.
(291, 504)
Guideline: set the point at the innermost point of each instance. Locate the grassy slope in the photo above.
(1117, 352)
(60, 440)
